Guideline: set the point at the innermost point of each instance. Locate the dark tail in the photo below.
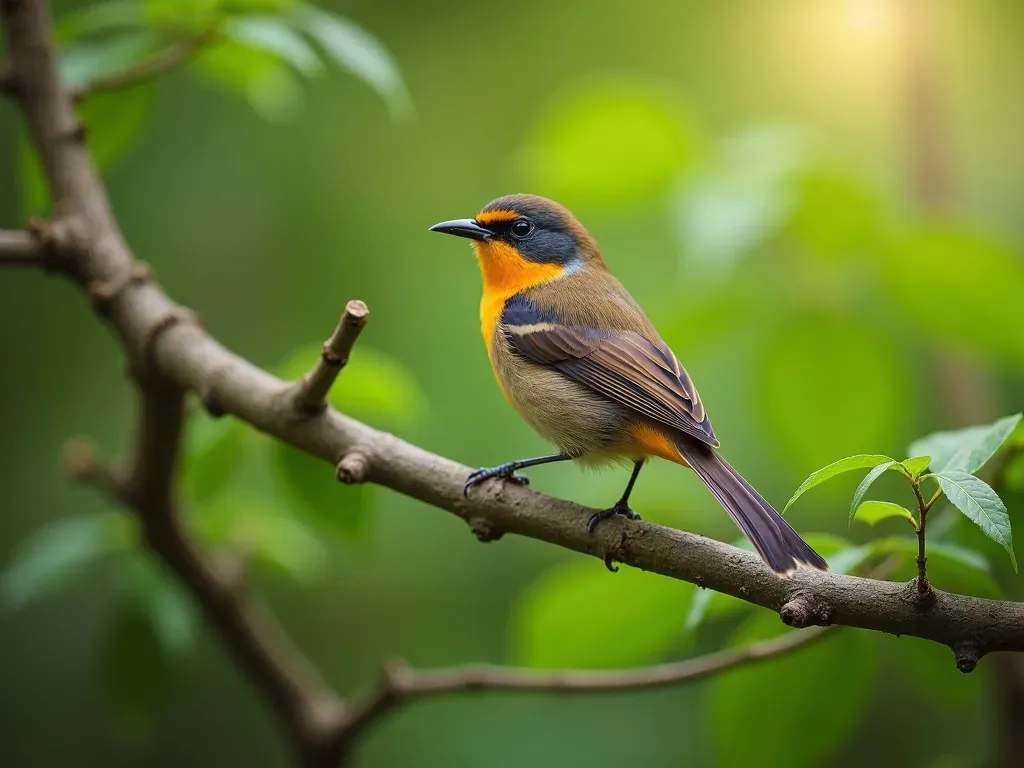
(774, 539)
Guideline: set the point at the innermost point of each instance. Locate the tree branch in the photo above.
(19, 249)
(312, 389)
(170, 57)
(400, 685)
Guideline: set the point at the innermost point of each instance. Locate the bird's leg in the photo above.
(621, 506)
(507, 471)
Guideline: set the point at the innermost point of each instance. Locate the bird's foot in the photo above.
(620, 508)
(505, 471)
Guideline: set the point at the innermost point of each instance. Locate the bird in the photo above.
(582, 364)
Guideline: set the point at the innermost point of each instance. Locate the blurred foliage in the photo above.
(780, 258)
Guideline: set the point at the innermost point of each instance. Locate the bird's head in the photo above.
(523, 239)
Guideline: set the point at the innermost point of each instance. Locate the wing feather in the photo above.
(624, 366)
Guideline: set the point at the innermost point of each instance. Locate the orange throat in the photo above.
(505, 274)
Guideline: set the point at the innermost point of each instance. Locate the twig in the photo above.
(400, 685)
(923, 587)
(19, 249)
(170, 57)
(311, 391)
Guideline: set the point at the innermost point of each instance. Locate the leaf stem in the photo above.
(923, 587)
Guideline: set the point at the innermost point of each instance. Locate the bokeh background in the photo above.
(819, 203)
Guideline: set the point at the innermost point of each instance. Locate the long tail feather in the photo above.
(774, 539)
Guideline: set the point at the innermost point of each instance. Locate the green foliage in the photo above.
(866, 483)
(610, 140)
(358, 52)
(872, 512)
(59, 553)
(966, 450)
(239, 66)
(976, 499)
(262, 532)
(579, 615)
(850, 463)
(822, 688)
(248, 47)
(275, 37)
(916, 465)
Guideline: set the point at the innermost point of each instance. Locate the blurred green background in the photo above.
(834, 255)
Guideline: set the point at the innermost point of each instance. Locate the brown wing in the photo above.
(621, 365)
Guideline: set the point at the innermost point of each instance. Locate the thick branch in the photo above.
(400, 685)
(311, 391)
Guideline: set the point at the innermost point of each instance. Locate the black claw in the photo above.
(506, 472)
(620, 508)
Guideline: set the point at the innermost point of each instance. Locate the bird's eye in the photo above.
(521, 228)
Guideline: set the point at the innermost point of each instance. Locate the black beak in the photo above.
(463, 228)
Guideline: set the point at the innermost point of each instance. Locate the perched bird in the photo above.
(580, 361)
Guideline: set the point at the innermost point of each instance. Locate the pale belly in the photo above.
(577, 420)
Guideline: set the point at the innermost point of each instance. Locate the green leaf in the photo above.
(261, 530)
(258, 75)
(950, 567)
(355, 50)
(278, 7)
(213, 453)
(60, 553)
(274, 36)
(563, 618)
(966, 450)
(916, 465)
(174, 617)
(850, 463)
(865, 484)
(84, 61)
(114, 120)
(838, 669)
(118, 15)
(135, 671)
(974, 286)
(873, 511)
(182, 15)
(610, 141)
(980, 504)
